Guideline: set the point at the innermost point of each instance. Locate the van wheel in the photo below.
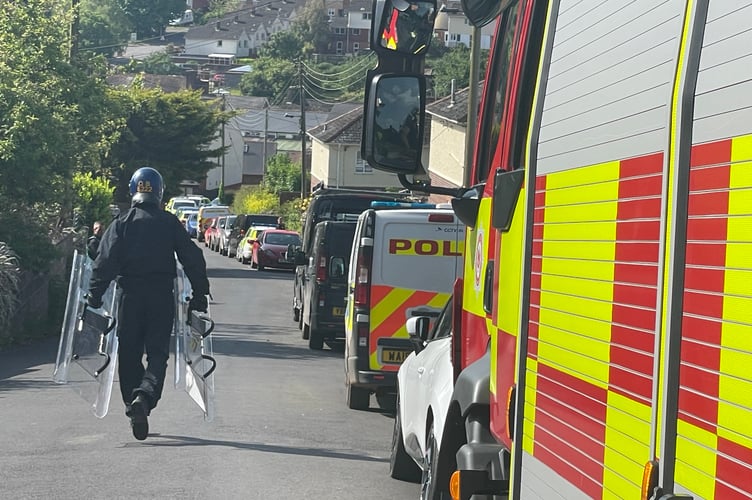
(301, 324)
(315, 339)
(433, 487)
(295, 314)
(401, 465)
(357, 397)
(260, 266)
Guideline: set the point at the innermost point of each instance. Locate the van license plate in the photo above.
(338, 311)
(393, 356)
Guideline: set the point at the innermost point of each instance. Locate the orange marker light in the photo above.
(454, 485)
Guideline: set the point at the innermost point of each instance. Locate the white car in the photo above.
(425, 385)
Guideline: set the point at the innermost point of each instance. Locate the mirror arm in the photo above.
(427, 188)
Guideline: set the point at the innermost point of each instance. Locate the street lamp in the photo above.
(302, 149)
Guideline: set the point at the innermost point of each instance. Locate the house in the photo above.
(257, 133)
(454, 29)
(335, 154)
(447, 140)
(239, 34)
(350, 25)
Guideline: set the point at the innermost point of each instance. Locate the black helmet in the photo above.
(146, 186)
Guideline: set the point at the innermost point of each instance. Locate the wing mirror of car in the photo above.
(337, 267)
(417, 328)
(298, 255)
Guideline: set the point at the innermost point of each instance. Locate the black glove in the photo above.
(198, 303)
(93, 302)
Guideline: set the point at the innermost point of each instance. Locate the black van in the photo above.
(324, 283)
(329, 204)
(241, 225)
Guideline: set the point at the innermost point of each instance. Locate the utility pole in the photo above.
(221, 190)
(266, 135)
(303, 182)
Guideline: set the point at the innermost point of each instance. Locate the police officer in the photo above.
(138, 249)
(92, 244)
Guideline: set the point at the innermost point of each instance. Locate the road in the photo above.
(281, 431)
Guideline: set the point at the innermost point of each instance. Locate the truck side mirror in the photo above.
(403, 26)
(394, 123)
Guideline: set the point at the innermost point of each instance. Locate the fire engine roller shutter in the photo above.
(714, 442)
(596, 246)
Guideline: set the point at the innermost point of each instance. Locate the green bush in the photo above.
(26, 231)
(93, 197)
(9, 277)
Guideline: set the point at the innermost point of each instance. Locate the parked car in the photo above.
(199, 199)
(321, 315)
(182, 213)
(207, 212)
(191, 225)
(219, 226)
(211, 228)
(270, 249)
(243, 222)
(425, 382)
(336, 205)
(224, 237)
(178, 202)
(244, 250)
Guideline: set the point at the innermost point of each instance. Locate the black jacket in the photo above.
(138, 249)
(92, 246)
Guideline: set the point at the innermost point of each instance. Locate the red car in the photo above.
(271, 249)
(211, 228)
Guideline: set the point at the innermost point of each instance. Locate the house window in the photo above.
(219, 43)
(246, 148)
(361, 167)
(356, 46)
(339, 31)
(331, 12)
(340, 45)
(356, 31)
(366, 16)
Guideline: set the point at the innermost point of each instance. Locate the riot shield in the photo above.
(194, 355)
(87, 353)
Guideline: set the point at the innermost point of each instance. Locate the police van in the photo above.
(403, 263)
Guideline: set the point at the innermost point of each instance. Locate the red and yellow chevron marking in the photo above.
(714, 443)
(592, 323)
(389, 310)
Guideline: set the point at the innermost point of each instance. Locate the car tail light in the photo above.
(321, 269)
(363, 276)
(322, 299)
(456, 351)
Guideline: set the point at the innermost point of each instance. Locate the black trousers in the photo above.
(145, 321)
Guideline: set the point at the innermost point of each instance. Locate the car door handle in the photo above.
(421, 370)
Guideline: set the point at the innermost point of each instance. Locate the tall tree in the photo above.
(171, 132)
(149, 17)
(282, 174)
(103, 28)
(313, 26)
(283, 45)
(269, 78)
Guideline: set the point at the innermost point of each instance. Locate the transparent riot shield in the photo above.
(194, 355)
(87, 353)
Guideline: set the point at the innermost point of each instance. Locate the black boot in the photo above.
(138, 414)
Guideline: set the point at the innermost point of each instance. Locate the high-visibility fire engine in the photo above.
(604, 347)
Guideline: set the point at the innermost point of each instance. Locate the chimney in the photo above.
(452, 101)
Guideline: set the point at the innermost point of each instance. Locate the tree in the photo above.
(170, 132)
(283, 45)
(149, 17)
(103, 27)
(454, 65)
(93, 197)
(313, 27)
(255, 200)
(282, 174)
(269, 78)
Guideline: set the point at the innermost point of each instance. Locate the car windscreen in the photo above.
(282, 239)
(262, 220)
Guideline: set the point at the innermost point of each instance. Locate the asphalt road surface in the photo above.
(281, 430)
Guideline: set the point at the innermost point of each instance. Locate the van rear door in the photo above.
(417, 255)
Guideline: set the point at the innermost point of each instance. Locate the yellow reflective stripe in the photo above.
(625, 454)
(701, 447)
